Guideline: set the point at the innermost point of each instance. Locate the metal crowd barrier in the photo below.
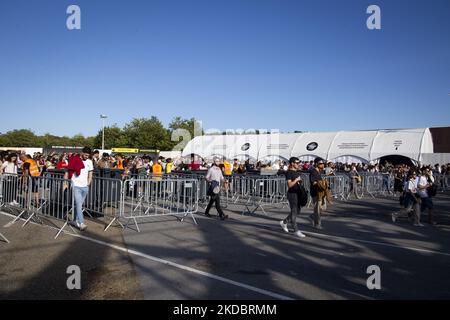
(144, 198)
(442, 181)
(255, 191)
(14, 195)
(339, 186)
(38, 197)
(268, 191)
(373, 184)
(446, 183)
(104, 199)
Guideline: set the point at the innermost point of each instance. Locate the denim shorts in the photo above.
(427, 203)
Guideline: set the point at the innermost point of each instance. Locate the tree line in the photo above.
(140, 133)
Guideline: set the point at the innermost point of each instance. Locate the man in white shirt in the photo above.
(426, 180)
(81, 180)
(215, 178)
(410, 201)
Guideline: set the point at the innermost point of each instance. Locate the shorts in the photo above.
(427, 203)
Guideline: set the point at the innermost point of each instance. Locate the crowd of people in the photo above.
(12, 162)
(415, 185)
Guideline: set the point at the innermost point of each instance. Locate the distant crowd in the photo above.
(12, 162)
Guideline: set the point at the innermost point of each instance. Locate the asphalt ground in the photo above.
(245, 257)
(34, 265)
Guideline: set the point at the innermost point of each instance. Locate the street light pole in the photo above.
(103, 117)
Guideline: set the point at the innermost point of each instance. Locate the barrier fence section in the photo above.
(15, 195)
(256, 191)
(2, 237)
(339, 186)
(145, 198)
(268, 191)
(104, 199)
(442, 181)
(373, 184)
(37, 198)
(55, 200)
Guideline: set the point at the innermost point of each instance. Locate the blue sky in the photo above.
(274, 64)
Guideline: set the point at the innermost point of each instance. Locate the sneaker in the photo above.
(207, 215)
(394, 217)
(300, 234)
(224, 217)
(418, 225)
(284, 226)
(82, 226)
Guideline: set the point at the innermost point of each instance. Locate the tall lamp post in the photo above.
(103, 117)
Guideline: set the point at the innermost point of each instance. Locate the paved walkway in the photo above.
(245, 257)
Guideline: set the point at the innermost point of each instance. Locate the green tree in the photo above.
(145, 133)
(114, 138)
(19, 138)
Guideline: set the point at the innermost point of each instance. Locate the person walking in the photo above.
(425, 191)
(316, 185)
(294, 180)
(411, 200)
(215, 178)
(80, 171)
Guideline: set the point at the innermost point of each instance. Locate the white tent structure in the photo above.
(342, 146)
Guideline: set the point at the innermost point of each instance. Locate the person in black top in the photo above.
(293, 180)
(315, 177)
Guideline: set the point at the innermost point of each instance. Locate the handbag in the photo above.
(214, 188)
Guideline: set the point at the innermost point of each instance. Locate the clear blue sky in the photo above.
(275, 64)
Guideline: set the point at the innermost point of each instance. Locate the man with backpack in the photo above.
(295, 195)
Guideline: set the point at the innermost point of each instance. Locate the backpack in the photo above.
(302, 196)
(432, 190)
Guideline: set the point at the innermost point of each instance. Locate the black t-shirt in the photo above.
(292, 175)
(26, 166)
(314, 176)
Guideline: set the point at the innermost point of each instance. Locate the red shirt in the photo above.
(194, 166)
(61, 165)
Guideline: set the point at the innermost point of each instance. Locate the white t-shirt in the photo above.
(9, 167)
(412, 186)
(423, 181)
(81, 181)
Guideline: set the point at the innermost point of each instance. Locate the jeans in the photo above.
(80, 195)
(295, 210)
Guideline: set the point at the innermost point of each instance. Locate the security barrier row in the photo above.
(135, 198)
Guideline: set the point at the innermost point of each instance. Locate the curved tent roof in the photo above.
(342, 146)
(277, 145)
(411, 143)
(313, 144)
